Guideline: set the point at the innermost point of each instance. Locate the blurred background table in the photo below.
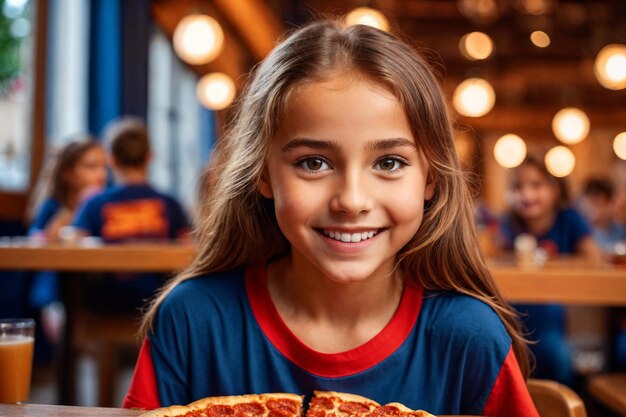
(564, 280)
(135, 257)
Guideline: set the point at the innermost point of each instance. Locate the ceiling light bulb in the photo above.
(476, 46)
(474, 97)
(216, 91)
(369, 17)
(198, 39)
(510, 151)
(619, 145)
(540, 39)
(610, 67)
(560, 161)
(570, 125)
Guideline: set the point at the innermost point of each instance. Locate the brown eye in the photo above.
(314, 164)
(388, 164)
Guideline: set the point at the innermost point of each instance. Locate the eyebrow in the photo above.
(375, 145)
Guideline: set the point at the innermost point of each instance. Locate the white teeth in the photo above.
(350, 237)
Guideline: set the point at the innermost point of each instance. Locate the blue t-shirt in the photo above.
(129, 213)
(45, 288)
(132, 212)
(607, 238)
(546, 323)
(568, 230)
(221, 334)
(47, 211)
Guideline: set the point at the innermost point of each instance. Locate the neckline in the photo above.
(346, 363)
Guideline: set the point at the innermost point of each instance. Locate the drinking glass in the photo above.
(17, 338)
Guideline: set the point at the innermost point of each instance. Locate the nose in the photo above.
(352, 195)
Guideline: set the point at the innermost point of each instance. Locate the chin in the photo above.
(347, 274)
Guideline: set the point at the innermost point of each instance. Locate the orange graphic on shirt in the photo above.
(134, 219)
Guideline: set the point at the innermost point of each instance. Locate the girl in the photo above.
(79, 171)
(337, 249)
(541, 208)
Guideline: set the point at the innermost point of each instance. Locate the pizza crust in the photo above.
(228, 400)
(232, 400)
(346, 397)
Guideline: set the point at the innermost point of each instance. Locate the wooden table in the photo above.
(563, 281)
(567, 280)
(135, 257)
(32, 410)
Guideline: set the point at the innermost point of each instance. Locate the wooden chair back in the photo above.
(555, 400)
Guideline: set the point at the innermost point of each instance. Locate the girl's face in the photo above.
(347, 180)
(90, 170)
(534, 194)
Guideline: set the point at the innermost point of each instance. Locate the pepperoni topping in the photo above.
(251, 409)
(385, 411)
(354, 408)
(283, 407)
(219, 411)
(321, 403)
(315, 413)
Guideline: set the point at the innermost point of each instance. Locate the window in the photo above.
(17, 56)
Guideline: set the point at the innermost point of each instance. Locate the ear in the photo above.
(265, 186)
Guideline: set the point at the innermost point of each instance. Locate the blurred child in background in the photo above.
(132, 210)
(540, 207)
(77, 171)
(598, 205)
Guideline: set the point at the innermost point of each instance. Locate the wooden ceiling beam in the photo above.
(234, 60)
(256, 23)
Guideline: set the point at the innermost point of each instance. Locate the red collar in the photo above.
(340, 364)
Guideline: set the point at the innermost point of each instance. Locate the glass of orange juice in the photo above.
(17, 338)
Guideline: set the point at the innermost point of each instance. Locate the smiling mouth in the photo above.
(350, 237)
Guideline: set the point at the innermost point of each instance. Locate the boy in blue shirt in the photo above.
(132, 210)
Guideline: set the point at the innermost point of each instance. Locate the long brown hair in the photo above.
(236, 226)
(66, 161)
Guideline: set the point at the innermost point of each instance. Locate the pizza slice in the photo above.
(339, 404)
(251, 405)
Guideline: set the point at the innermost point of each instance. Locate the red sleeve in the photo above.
(143, 391)
(509, 396)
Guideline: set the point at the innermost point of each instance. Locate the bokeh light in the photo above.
(619, 145)
(570, 125)
(474, 97)
(610, 67)
(560, 161)
(369, 17)
(216, 91)
(476, 46)
(510, 151)
(198, 39)
(540, 39)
